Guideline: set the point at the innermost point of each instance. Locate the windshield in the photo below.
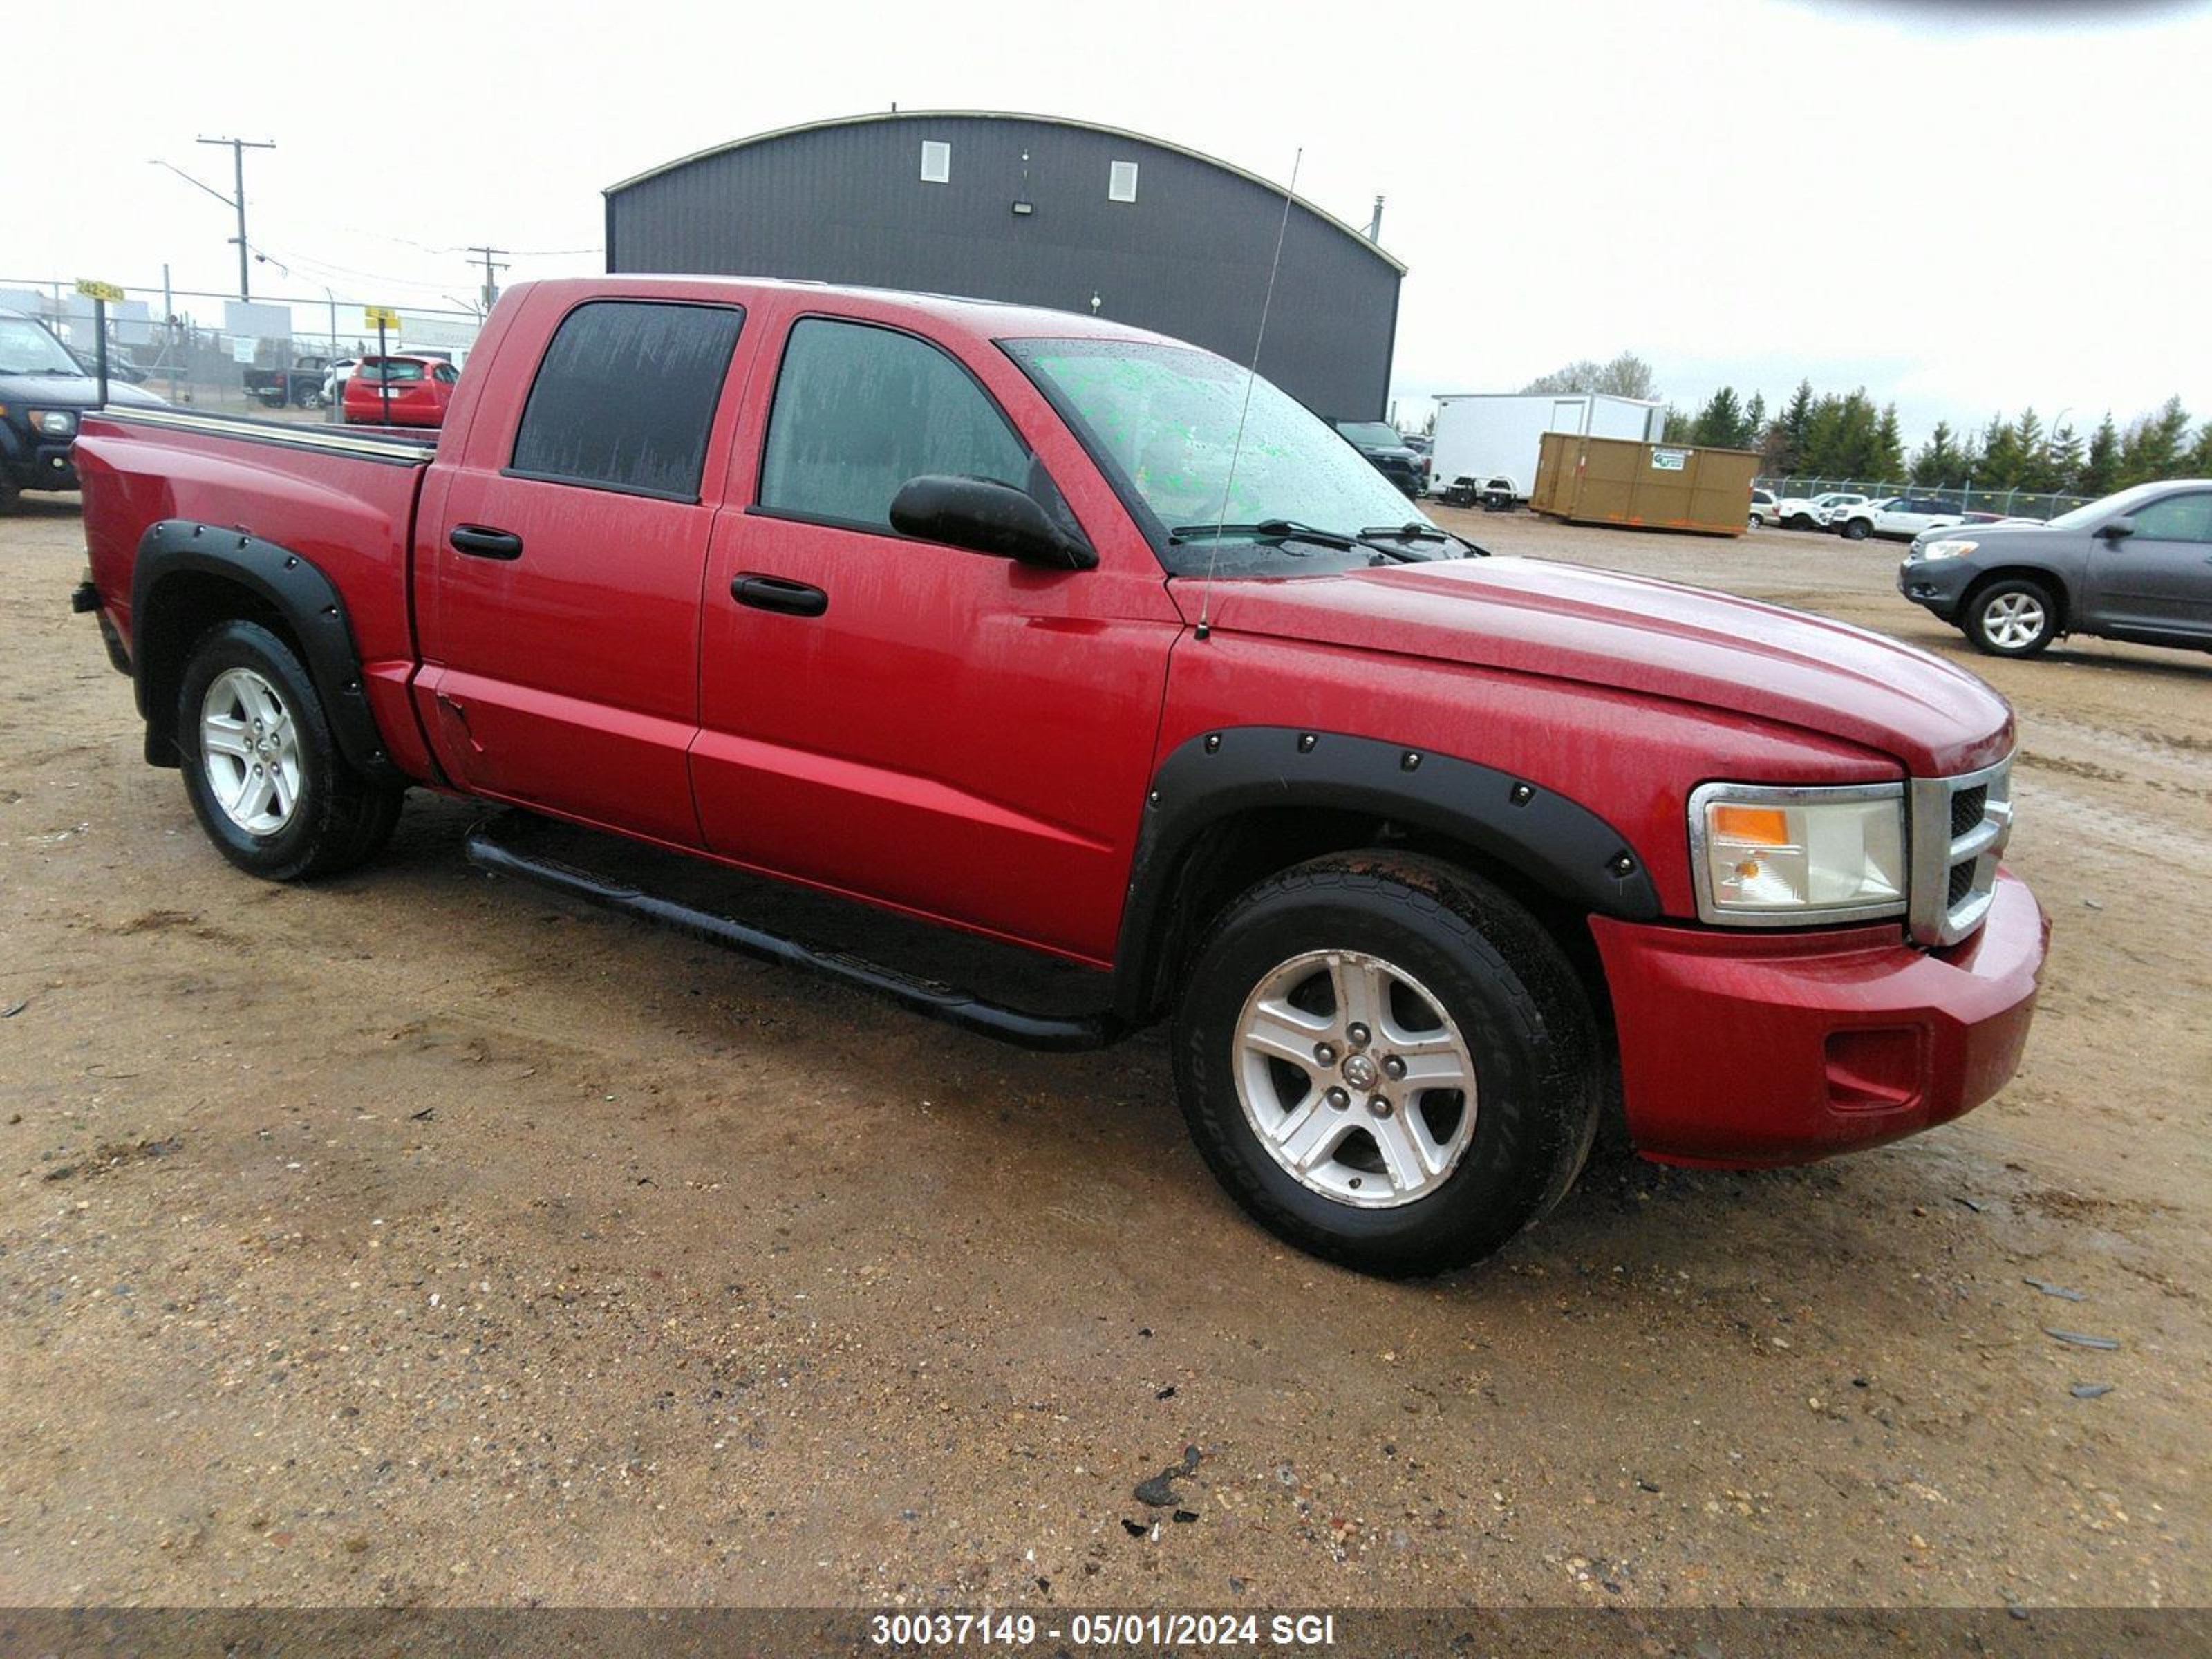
(2084, 518)
(1371, 435)
(28, 349)
(1162, 420)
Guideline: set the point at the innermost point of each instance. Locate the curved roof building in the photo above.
(1040, 210)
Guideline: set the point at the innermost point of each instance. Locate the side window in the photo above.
(2176, 519)
(859, 410)
(625, 396)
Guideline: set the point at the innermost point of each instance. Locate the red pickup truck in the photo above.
(1113, 677)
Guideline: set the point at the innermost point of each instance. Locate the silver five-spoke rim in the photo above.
(2013, 620)
(250, 752)
(1355, 1079)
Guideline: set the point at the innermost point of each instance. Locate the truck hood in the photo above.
(1631, 633)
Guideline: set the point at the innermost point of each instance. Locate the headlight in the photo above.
(53, 422)
(1947, 549)
(1772, 858)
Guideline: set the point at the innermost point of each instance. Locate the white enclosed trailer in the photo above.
(1488, 442)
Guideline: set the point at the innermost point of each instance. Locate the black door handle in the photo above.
(779, 594)
(485, 543)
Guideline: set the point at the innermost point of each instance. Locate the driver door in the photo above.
(934, 729)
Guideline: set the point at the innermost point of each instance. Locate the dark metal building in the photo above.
(1040, 210)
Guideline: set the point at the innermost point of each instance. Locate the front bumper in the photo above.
(1738, 1051)
(38, 463)
(1936, 584)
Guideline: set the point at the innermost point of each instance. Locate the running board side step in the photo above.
(517, 844)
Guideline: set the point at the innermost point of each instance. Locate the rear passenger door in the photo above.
(916, 724)
(561, 624)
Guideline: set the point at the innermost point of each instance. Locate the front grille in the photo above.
(1962, 882)
(1966, 809)
(1959, 829)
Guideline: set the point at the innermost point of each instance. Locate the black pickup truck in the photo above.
(300, 385)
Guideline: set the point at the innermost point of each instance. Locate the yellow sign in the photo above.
(92, 290)
(380, 316)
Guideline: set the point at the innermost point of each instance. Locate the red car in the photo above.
(400, 391)
(1054, 712)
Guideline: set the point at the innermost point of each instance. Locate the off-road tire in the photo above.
(1498, 976)
(341, 818)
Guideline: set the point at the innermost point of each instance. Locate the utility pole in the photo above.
(237, 149)
(490, 283)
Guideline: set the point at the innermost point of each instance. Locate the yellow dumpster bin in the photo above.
(1646, 486)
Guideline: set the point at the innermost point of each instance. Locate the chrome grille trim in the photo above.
(1935, 852)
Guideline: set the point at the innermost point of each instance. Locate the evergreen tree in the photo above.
(1719, 422)
(2001, 456)
(2200, 457)
(1889, 446)
(1754, 420)
(2065, 460)
(2154, 446)
(2100, 467)
(1938, 462)
(1795, 423)
(2032, 443)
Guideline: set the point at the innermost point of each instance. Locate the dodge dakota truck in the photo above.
(1057, 679)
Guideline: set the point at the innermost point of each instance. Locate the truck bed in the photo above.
(343, 498)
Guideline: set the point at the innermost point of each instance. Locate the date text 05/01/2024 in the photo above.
(1104, 1629)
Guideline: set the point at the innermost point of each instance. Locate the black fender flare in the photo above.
(1556, 842)
(288, 583)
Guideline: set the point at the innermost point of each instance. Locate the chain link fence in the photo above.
(1965, 498)
(273, 356)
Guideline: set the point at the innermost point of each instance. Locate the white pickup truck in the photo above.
(1899, 517)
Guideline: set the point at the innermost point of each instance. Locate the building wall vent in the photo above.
(1122, 183)
(936, 162)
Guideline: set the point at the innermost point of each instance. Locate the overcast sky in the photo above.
(1965, 207)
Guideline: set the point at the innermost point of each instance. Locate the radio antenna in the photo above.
(1204, 630)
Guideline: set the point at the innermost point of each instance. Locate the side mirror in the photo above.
(2112, 530)
(987, 517)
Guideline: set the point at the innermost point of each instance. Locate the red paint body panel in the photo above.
(1729, 1042)
(1645, 638)
(971, 740)
(1561, 735)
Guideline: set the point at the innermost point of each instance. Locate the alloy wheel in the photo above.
(1354, 1078)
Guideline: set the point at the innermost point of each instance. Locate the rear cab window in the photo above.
(625, 396)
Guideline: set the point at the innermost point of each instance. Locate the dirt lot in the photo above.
(415, 1238)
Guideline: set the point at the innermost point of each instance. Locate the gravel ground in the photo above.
(416, 1239)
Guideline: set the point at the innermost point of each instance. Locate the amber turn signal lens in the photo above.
(1765, 826)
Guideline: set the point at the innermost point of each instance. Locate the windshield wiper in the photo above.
(1417, 532)
(1269, 530)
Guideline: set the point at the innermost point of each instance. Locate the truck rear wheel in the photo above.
(1387, 1062)
(263, 775)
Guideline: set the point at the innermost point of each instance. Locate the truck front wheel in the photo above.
(1388, 1062)
(264, 776)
